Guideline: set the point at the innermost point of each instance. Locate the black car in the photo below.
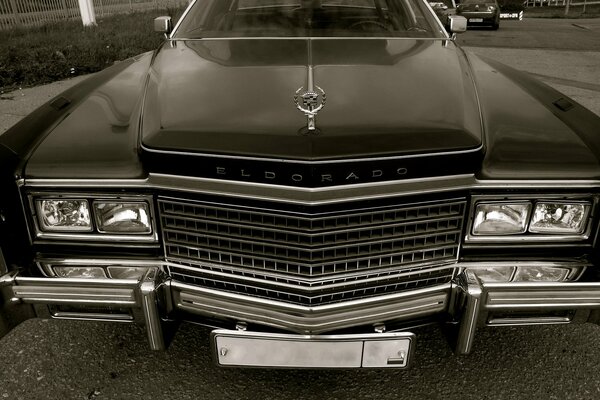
(480, 13)
(314, 178)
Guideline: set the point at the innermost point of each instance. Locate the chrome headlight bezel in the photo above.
(94, 234)
(528, 235)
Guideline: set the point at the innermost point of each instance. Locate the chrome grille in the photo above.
(312, 257)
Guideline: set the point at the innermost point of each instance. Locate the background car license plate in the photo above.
(251, 349)
(475, 19)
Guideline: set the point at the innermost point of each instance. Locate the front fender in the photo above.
(531, 130)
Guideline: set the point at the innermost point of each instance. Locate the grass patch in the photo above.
(576, 12)
(34, 56)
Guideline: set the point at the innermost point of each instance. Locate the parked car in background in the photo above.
(314, 180)
(480, 13)
(444, 9)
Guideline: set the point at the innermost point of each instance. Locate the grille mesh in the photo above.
(312, 258)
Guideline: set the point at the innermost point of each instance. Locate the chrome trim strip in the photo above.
(425, 39)
(148, 290)
(82, 316)
(75, 295)
(185, 13)
(101, 292)
(311, 162)
(80, 282)
(471, 293)
(312, 196)
(524, 296)
(310, 319)
(528, 321)
(319, 283)
(315, 196)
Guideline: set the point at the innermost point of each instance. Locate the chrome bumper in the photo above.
(139, 296)
(466, 301)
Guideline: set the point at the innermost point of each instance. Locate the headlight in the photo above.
(120, 217)
(96, 269)
(87, 217)
(530, 220)
(64, 215)
(501, 218)
(79, 272)
(541, 274)
(127, 272)
(557, 217)
(497, 273)
(505, 272)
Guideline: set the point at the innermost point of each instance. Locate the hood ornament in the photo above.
(310, 103)
(311, 100)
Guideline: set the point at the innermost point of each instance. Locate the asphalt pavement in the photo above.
(63, 360)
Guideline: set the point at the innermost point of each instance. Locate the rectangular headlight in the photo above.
(121, 272)
(541, 274)
(79, 272)
(122, 217)
(501, 218)
(559, 217)
(64, 215)
(495, 273)
(501, 272)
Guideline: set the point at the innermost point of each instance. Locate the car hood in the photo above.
(383, 98)
(396, 109)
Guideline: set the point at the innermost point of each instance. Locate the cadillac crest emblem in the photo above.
(310, 102)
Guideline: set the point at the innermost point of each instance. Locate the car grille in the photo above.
(312, 257)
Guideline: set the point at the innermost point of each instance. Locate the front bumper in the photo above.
(465, 303)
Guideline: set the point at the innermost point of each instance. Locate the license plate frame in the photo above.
(232, 348)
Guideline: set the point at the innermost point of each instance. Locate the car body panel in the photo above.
(107, 121)
(307, 184)
(558, 145)
(508, 146)
(265, 125)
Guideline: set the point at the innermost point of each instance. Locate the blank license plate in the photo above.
(251, 349)
(475, 19)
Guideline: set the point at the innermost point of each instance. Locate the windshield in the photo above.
(307, 18)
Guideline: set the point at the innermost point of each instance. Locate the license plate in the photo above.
(475, 19)
(251, 349)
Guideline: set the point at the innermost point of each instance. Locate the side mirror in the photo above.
(457, 24)
(163, 25)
